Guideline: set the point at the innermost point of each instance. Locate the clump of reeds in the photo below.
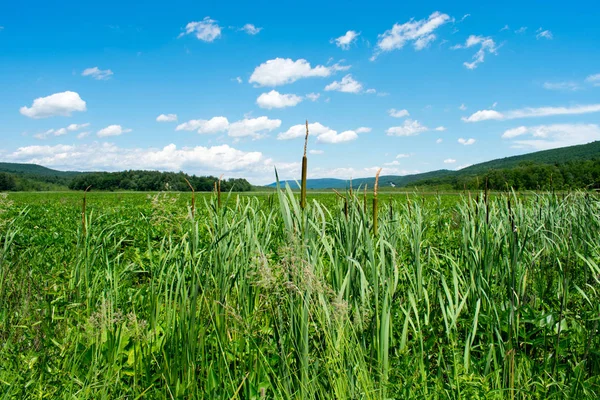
(304, 170)
(375, 189)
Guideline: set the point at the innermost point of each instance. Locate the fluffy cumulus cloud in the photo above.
(398, 113)
(97, 73)
(418, 32)
(253, 127)
(57, 104)
(213, 125)
(112, 130)
(167, 118)
(199, 160)
(60, 131)
(274, 99)
(529, 112)
(543, 137)
(206, 30)
(346, 40)
(466, 142)
(250, 29)
(323, 133)
(347, 85)
(408, 128)
(281, 71)
(486, 45)
(440, 128)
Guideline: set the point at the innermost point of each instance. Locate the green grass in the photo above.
(454, 298)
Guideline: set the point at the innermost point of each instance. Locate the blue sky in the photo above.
(407, 87)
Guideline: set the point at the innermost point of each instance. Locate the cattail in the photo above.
(375, 202)
(193, 197)
(83, 206)
(304, 169)
(219, 192)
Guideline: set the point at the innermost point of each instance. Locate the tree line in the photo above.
(154, 181)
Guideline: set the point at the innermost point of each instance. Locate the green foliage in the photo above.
(456, 297)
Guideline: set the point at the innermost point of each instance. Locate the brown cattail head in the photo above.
(376, 188)
(304, 172)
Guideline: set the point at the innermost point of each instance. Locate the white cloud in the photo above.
(107, 156)
(112, 130)
(393, 163)
(440, 128)
(250, 29)
(281, 71)
(529, 112)
(449, 161)
(466, 142)
(83, 134)
(552, 136)
(333, 137)
(440, 140)
(566, 86)
(495, 104)
(97, 73)
(593, 79)
(213, 125)
(324, 134)
(296, 131)
(371, 91)
(316, 152)
(238, 79)
(274, 99)
(486, 44)
(511, 133)
(409, 128)
(464, 17)
(167, 118)
(346, 85)
(543, 34)
(206, 30)
(313, 96)
(398, 113)
(462, 107)
(402, 156)
(346, 40)
(253, 127)
(504, 28)
(57, 104)
(419, 32)
(521, 29)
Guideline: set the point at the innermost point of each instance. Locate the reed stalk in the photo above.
(375, 190)
(304, 171)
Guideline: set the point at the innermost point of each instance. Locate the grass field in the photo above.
(143, 296)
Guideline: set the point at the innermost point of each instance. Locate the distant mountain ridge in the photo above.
(590, 151)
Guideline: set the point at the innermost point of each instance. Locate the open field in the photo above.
(144, 296)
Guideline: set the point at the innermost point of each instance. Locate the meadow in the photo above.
(252, 296)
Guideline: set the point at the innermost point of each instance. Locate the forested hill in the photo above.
(32, 177)
(573, 166)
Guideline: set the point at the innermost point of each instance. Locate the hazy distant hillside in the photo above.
(579, 153)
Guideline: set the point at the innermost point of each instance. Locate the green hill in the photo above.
(585, 156)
